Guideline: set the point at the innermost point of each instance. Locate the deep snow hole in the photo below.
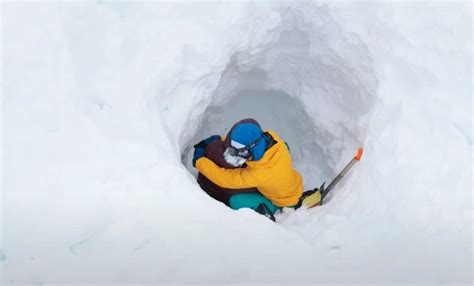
(313, 85)
(274, 110)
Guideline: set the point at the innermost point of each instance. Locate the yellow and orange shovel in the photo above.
(315, 197)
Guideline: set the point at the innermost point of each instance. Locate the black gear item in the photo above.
(264, 210)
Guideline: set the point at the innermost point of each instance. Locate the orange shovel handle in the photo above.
(359, 154)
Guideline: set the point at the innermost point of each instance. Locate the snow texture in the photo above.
(102, 103)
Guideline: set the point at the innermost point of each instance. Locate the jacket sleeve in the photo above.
(227, 178)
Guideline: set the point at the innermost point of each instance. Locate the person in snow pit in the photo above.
(250, 168)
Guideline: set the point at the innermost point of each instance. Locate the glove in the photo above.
(200, 147)
(198, 153)
(207, 141)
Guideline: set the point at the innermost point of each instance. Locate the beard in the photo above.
(235, 161)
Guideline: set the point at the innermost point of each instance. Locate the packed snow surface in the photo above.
(102, 102)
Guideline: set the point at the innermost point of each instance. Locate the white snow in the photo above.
(102, 102)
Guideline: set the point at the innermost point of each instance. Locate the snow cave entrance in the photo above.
(274, 110)
(312, 84)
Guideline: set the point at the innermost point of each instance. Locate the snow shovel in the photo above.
(315, 197)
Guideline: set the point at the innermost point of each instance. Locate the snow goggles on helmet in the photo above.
(237, 149)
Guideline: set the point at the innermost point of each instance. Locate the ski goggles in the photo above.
(237, 149)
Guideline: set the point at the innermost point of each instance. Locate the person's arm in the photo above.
(226, 178)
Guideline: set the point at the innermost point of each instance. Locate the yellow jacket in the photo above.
(273, 175)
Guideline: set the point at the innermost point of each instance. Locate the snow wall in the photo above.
(101, 103)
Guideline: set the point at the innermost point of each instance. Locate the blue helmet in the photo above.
(247, 134)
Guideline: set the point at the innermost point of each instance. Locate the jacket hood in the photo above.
(272, 154)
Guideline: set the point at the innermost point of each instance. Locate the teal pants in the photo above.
(251, 200)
